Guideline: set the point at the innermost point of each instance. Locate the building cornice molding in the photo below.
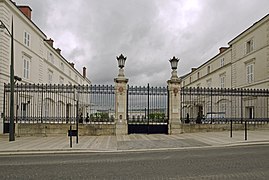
(250, 29)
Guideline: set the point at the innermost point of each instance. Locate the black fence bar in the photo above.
(246, 130)
(231, 131)
(47, 103)
(216, 105)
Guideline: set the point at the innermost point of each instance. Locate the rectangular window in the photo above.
(222, 81)
(26, 39)
(61, 80)
(221, 62)
(249, 46)
(50, 76)
(198, 75)
(62, 66)
(50, 57)
(208, 69)
(26, 68)
(209, 82)
(250, 73)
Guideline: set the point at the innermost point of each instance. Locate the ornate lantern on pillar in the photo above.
(174, 63)
(121, 62)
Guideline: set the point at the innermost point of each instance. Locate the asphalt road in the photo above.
(241, 162)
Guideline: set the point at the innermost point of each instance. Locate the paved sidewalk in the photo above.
(132, 142)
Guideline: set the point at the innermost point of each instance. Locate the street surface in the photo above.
(240, 162)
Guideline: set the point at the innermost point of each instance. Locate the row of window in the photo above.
(62, 66)
(249, 47)
(26, 72)
(50, 57)
(209, 69)
(222, 77)
(61, 79)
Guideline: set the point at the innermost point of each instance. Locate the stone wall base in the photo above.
(62, 129)
(175, 129)
(192, 128)
(121, 129)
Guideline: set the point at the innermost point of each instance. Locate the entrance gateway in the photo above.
(147, 110)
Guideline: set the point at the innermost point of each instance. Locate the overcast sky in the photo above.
(92, 33)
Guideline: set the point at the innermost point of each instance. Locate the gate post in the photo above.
(174, 100)
(121, 99)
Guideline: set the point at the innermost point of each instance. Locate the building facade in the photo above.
(36, 60)
(243, 65)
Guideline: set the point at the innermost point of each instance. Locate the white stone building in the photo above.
(36, 60)
(244, 64)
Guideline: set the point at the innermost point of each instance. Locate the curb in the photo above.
(74, 150)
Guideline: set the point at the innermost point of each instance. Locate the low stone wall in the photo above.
(62, 129)
(110, 129)
(192, 128)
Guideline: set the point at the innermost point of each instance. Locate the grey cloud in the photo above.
(92, 33)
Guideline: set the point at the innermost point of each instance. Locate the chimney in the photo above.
(58, 50)
(49, 41)
(26, 10)
(193, 69)
(72, 64)
(222, 49)
(84, 72)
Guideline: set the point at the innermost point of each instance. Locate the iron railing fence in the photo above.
(47, 103)
(99, 105)
(43, 103)
(215, 105)
(147, 105)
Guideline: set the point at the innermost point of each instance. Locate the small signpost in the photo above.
(72, 133)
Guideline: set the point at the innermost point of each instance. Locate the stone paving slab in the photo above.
(130, 142)
(159, 144)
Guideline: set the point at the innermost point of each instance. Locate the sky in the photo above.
(93, 33)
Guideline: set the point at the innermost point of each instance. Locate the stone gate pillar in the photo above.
(121, 99)
(174, 100)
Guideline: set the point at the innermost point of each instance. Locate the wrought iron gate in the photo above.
(147, 109)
